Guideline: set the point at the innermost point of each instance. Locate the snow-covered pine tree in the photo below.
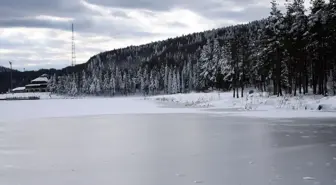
(330, 14)
(174, 81)
(144, 81)
(112, 86)
(73, 90)
(206, 65)
(92, 87)
(178, 82)
(151, 83)
(170, 81)
(190, 76)
(274, 41)
(215, 64)
(106, 83)
(317, 36)
(129, 83)
(52, 83)
(59, 85)
(166, 77)
(84, 84)
(156, 84)
(124, 83)
(226, 67)
(183, 78)
(296, 25)
(118, 79)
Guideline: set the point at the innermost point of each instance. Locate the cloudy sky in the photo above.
(37, 33)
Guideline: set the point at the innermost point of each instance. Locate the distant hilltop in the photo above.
(5, 69)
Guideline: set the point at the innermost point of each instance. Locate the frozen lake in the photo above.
(167, 149)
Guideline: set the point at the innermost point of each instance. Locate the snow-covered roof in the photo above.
(19, 89)
(33, 85)
(40, 79)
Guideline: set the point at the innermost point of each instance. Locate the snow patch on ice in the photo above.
(190, 99)
(180, 175)
(308, 178)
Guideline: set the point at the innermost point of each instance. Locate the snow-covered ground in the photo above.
(41, 95)
(257, 104)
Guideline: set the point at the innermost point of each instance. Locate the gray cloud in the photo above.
(209, 8)
(34, 23)
(249, 14)
(82, 25)
(15, 12)
(24, 8)
(85, 19)
(166, 5)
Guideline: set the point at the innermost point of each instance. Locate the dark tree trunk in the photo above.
(300, 84)
(237, 90)
(234, 91)
(325, 84)
(306, 83)
(290, 81)
(275, 88)
(295, 86)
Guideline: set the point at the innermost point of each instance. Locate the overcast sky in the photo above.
(37, 33)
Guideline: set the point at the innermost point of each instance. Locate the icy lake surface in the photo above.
(167, 149)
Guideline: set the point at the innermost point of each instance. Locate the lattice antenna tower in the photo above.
(73, 53)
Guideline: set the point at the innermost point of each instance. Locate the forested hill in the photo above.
(169, 66)
(5, 69)
(287, 52)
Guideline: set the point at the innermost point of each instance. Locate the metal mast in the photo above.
(73, 53)
(11, 75)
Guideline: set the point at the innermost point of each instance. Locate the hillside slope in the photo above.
(5, 69)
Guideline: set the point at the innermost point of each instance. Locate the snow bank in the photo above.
(41, 95)
(190, 99)
(255, 101)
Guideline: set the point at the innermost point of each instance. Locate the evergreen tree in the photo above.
(205, 65)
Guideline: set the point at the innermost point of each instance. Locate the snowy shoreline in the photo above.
(255, 101)
(258, 105)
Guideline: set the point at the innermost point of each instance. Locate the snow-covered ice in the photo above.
(222, 103)
(137, 141)
(86, 150)
(29, 109)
